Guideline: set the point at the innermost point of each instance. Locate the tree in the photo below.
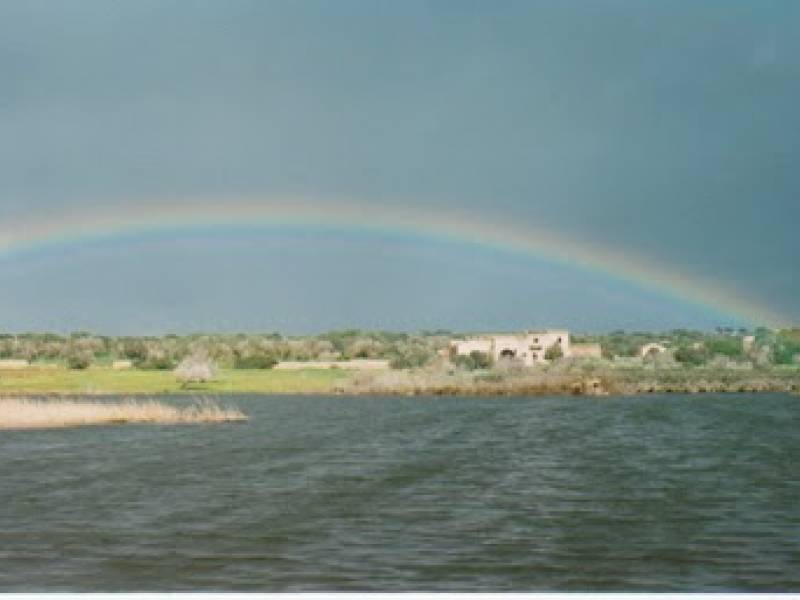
(156, 356)
(196, 368)
(255, 361)
(133, 349)
(475, 360)
(727, 346)
(78, 358)
(554, 352)
(689, 355)
(787, 347)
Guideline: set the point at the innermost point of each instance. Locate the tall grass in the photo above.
(566, 378)
(20, 413)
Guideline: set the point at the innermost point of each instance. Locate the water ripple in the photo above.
(438, 494)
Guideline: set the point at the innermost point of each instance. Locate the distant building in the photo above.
(652, 349)
(484, 345)
(748, 342)
(11, 363)
(122, 365)
(529, 348)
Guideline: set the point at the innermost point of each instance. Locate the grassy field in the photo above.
(102, 380)
(106, 381)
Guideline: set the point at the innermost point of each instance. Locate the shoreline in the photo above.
(585, 380)
(543, 391)
(60, 383)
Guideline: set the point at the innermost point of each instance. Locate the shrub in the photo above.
(133, 349)
(159, 363)
(787, 346)
(78, 358)
(482, 360)
(256, 361)
(475, 360)
(401, 362)
(410, 358)
(691, 356)
(726, 346)
(554, 352)
(197, 368)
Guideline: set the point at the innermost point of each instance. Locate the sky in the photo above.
(665, 132)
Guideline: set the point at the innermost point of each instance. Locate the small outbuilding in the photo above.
(652, 349)
(14, 364)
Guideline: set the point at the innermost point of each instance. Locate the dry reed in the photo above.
(23, 413)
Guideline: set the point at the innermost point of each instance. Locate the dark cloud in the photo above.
(665, 129)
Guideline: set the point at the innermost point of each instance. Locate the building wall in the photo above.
(467, 347)
(652, 348)
(12, 363)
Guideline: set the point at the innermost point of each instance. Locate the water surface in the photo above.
(659, 493)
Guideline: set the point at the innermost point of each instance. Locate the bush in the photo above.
(787, 347)
(159, 363)
(197, 368)
(257, 361)
(691, 356)
(726, 346)
(411, 358)
(134, 349)
(554, 352)
(401, 362)
(475, 360)
(78, 358)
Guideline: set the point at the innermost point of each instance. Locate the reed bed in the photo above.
(573, 379)
(522, 382)
(21, 413)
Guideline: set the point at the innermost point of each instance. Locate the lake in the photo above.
(657, 493)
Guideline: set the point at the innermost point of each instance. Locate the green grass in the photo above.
(106, 381)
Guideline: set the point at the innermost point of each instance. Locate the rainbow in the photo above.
(56, 230)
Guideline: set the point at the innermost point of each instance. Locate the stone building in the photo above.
(528, 348)
(652, 349)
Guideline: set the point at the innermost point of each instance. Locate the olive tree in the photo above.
(196, 368)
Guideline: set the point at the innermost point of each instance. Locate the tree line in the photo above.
(760, 347)
(241, 351)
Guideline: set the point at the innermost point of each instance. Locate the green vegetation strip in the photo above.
(106, 381)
